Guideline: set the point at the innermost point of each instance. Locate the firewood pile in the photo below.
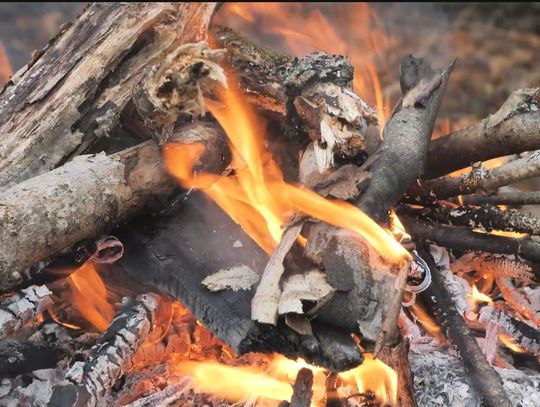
(151, 156)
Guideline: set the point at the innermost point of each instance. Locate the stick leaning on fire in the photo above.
(419, 107)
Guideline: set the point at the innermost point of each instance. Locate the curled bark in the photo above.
(87, 382)
(480, 180)
(486, 217)
(484, 379)
(513, 129)
(461, 238)
(406, 137)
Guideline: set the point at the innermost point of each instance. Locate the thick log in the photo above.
(75, 92)
(406, 137)
(87, 382)
(513, 129)
(46, 214)
(487, 218)
(484, 378)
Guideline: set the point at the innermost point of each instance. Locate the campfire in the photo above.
(224, 205)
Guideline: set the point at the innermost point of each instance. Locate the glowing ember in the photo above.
(257, 198)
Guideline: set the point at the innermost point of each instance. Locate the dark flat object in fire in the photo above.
(175, 252)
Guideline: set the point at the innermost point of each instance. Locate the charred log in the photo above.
(487, 218)
(22, 356)
(484, 379)
(302, 389)
(512, 129)
(87, 382)
(166, 254)
(525, 335)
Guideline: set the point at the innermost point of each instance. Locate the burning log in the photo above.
(165, 397)
(74, 92)
(87, 382)
(480, 180)
(487, 217)
(462, 238)
(485, 380)
(516, 300)
(512, 129)
(19, 309)
(166, 254)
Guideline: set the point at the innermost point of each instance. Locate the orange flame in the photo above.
(257, 197)
(89, 296)
(511, 344)
(5, 67)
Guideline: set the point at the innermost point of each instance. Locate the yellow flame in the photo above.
(257, 197)
(511, 344)
(478, 297)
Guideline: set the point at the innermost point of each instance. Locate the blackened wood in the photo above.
(175, 253)
(457, 237)
(74, 92)
(513, 129)
(302, 389)
(523, 334)
(22, 356)
(406, 138)
(486, 217)
(23, 307)
(484, 379)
